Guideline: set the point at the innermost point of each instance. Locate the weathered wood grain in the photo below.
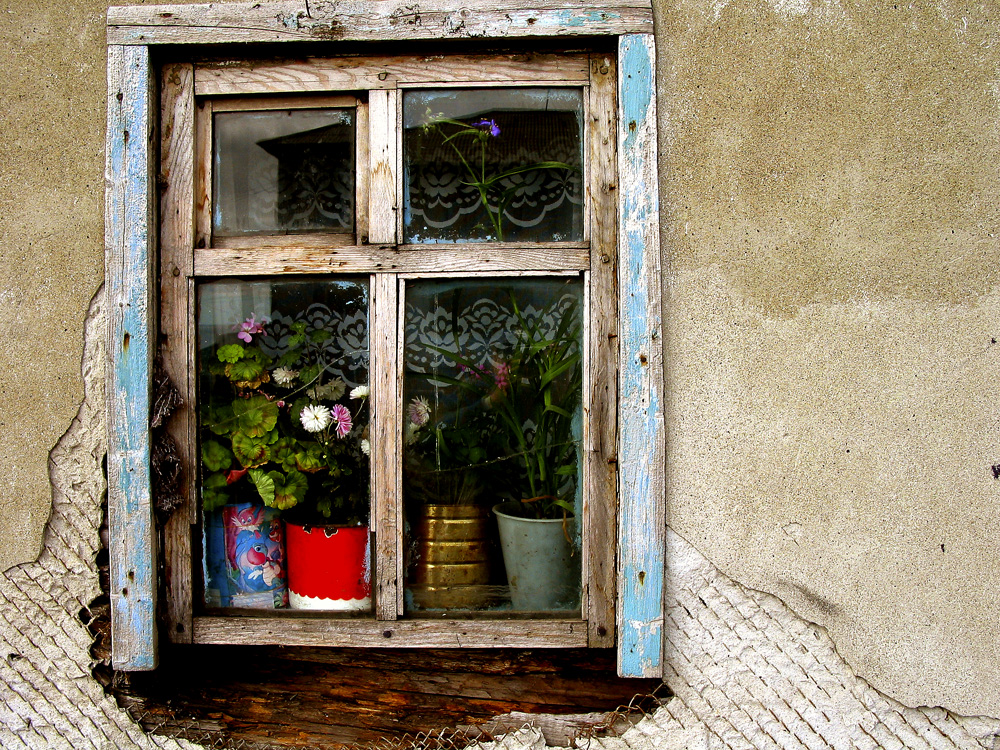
(325, 697)
(642, 513)
(382, 177)
(176, 344)
(386, 448)
(301, 631)
(601, 437)
(370, 73)
(358, 20)
(406, 259)
(129, 211)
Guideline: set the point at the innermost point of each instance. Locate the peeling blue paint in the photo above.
(576, 18)
(642, 563)
(129, 288)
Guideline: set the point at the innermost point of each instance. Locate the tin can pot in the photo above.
(451, 564)
(254, 542)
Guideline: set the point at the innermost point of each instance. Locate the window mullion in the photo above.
(386, 446)
(383, 159)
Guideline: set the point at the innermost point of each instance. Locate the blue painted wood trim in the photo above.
(641, 524)
(131, 330)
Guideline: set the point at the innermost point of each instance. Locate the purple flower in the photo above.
(502, 375)
(248, 327)
(341, 417)
(491, 124)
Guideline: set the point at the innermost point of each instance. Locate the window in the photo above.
(391, 287)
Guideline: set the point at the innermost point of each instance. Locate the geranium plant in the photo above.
(279, 427)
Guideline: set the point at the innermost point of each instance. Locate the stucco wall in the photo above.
(829, 219)
(830, 175)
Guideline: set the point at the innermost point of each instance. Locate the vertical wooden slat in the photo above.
(642, 525)
(362, 170)
(203, 174)
(382, 114)
(602, 426)
(176, 269)
(129, 222)
(385, 447)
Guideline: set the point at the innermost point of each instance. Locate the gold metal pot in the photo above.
(451, 567)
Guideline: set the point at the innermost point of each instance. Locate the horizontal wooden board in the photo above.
(353, 74)
(373, 258)
(301, 631)
(358, 20)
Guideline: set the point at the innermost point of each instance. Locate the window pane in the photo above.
(493, 422)
(283, 415)
(283, 171)
(493, 165)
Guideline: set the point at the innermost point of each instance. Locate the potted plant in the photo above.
(444, 458)
(280, 432)
(532, 392)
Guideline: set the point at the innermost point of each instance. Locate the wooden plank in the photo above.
(361, 20)
(368, 73)
(203, 174)
(255, 241)
(362, 172)
(176, 268)
(642, 513)
(129, 210)
(373, 258)
(265, 104)
(385, 448)
(601, 437)
(382, 209)
(295, 631)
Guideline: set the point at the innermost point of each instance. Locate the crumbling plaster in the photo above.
(829, 219)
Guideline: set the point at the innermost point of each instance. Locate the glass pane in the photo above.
(491, 462)
(283, 171)
(283, 423)
(493, 165)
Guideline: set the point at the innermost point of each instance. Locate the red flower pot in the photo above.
(329, 567)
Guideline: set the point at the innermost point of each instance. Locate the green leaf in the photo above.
(257, 416)
(230, 353)
(320, 335)
(310, 373)
(289, 489)
(245, 371)
(264, 484)
(214, 492)
(216, 456)
(250, 452)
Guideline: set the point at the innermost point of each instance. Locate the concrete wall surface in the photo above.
(831, 193)
(829, 220)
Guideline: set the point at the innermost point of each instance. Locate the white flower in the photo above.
(419, 411)
(360, 392)
(284, 376)
(314, 417)
(366, 446)
(410, 434)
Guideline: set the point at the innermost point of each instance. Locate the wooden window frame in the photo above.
(624, 439)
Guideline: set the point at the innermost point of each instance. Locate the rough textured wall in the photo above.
(830, 225)
(51, 242)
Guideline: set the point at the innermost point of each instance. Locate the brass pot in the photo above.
(451, 566)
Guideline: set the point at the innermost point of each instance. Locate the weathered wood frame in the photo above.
(624, 436)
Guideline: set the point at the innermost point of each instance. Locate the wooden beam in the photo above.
(367, 73)
(642, 511)
(303, 631)
(492, 258)
(177, 230)
(361, 20)
(129, 220)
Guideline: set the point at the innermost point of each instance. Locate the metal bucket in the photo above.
(451, 566)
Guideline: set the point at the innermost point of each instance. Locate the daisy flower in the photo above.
(360, 392)
(284, 376)
(366, 446)
(341, 419)
(419, 411)
(315, 417)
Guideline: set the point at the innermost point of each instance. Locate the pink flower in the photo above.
(341, 418)
(249, 327)
(502, 376)
(418, 411)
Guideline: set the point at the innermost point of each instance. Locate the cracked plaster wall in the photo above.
(829, 224)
